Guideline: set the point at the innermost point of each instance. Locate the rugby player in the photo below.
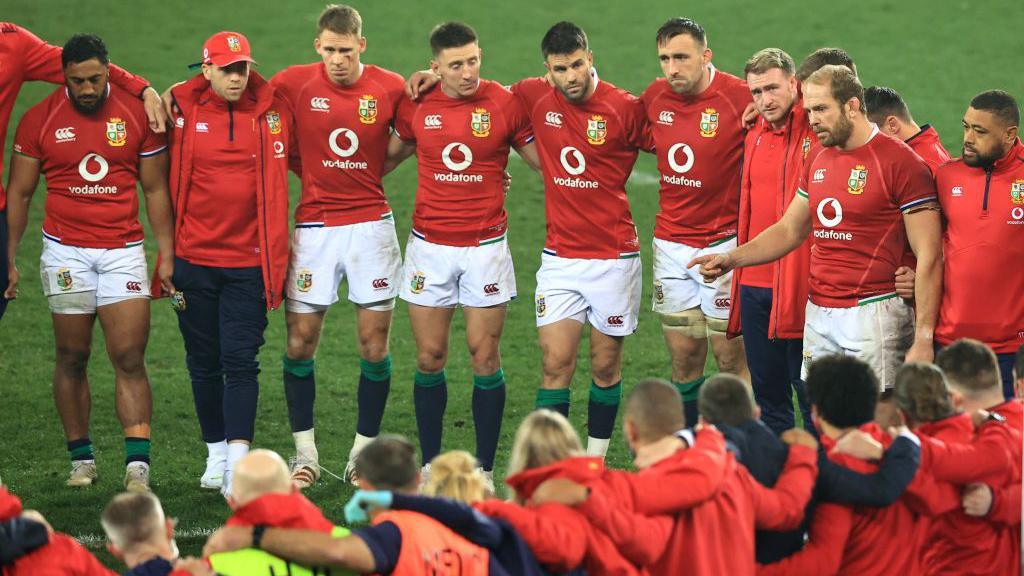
(344, 228)
(457, 253)
(588, 134)
(93, 143)
(229, 186)
(695, 114)
(26, 57)
(982, 197)
(860, 224)
(888, 111)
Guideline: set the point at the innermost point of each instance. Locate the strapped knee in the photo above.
(690, 323)
(717, 326)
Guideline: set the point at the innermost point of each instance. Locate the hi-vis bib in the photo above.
(252, 562)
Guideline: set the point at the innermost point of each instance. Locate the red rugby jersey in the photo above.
(462, 147)
(928, 146)
(699, 142)
(587, 152)
(91, 165)
(342, 134)
(857, 199)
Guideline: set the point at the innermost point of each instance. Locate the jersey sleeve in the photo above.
(26, 137)
(701, 469)
(1006, 505)
(895, 472)
(521, 128)
(403, 120)
(385, 543)
(782, 506)
(823, 552)
(152, 143)
(529, 90)
(912, 183)
(556, 534)
(638, 130)
(284, 87)
(640, 539)
(979, 461)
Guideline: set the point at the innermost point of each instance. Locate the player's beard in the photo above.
(839, 133)
(981, 160)
(91, 107)
(587, 80)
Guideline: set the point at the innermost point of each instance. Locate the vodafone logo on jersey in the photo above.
(450, 158)
(680, 159)
(574, 163)
(317, 104)
(64, 134)
(344, 143)
(93, 168)
(553, 119)
(830, 214)
(432, 122)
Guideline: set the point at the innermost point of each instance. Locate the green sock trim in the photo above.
(547, 397)
(429, 380)
(376, 371)
(496, 380)
(136, 447)
(610, 396)
(81, 452)
(689, 390)
(298, 368)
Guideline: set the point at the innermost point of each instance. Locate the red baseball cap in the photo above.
(226, 48)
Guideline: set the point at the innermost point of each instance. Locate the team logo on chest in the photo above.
(367, 109)
(805, 147)
(481, 123)
(597, 129)
(1017, 192)
(117, 133)
(858, 179)
(274, 122)
(709, 123)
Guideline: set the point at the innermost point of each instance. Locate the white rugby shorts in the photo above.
(365, 254)
(94, 276)
(879, 331)
(678, 288)
(604, 292)
(443, 276)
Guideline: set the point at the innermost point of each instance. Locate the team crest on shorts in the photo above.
(542, 306)
(117, 133)
(805, 147)
(1017, 192)
(417, 282)
(659, 292)
(597, 129)
(481, 123)
(64, 279)
(367, 109)
(858, 179)
(274, 122)
(709, 123)
(304, 280)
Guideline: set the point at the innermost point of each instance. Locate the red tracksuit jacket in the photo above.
(62, 555)
(271, 165)
(983, 246)
(790, 273)
(282, 511)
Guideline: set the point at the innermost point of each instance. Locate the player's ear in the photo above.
(362, 44)
(1011, 135)
(316, 44)
(434, 65)
(706, 57)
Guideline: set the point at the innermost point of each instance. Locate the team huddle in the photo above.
(823, 245)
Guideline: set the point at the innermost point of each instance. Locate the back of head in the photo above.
(544, 437)
(132, 519)
(655, 410)
(564, 38)
(340, 19)
(822, 57)
(451, 35)
(725, 400)
(82, 47)
(389, 462)
(842, 83)
(769, 59)
(882, 102)
(259, 473)
(921, 392)
(1000, 104)
(843, 390)
(971, 368)
(454, 475)
(676, 26)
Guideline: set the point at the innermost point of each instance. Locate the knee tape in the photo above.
(717, 326)
(73, 303)
(381, 306)
(690, 323)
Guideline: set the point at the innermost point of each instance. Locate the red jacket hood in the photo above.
(580, 469)
(1013, 411)
(282, 511)
(10, 505)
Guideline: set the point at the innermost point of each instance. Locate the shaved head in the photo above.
(656, 410)
(260, 472)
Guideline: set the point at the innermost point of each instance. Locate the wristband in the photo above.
(257, 535)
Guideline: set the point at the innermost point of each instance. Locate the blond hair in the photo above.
(454, 475)
(841, 82)
(768, 59)
(340, 19)
(543, 438)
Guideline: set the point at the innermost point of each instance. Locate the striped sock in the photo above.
(136, 450)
